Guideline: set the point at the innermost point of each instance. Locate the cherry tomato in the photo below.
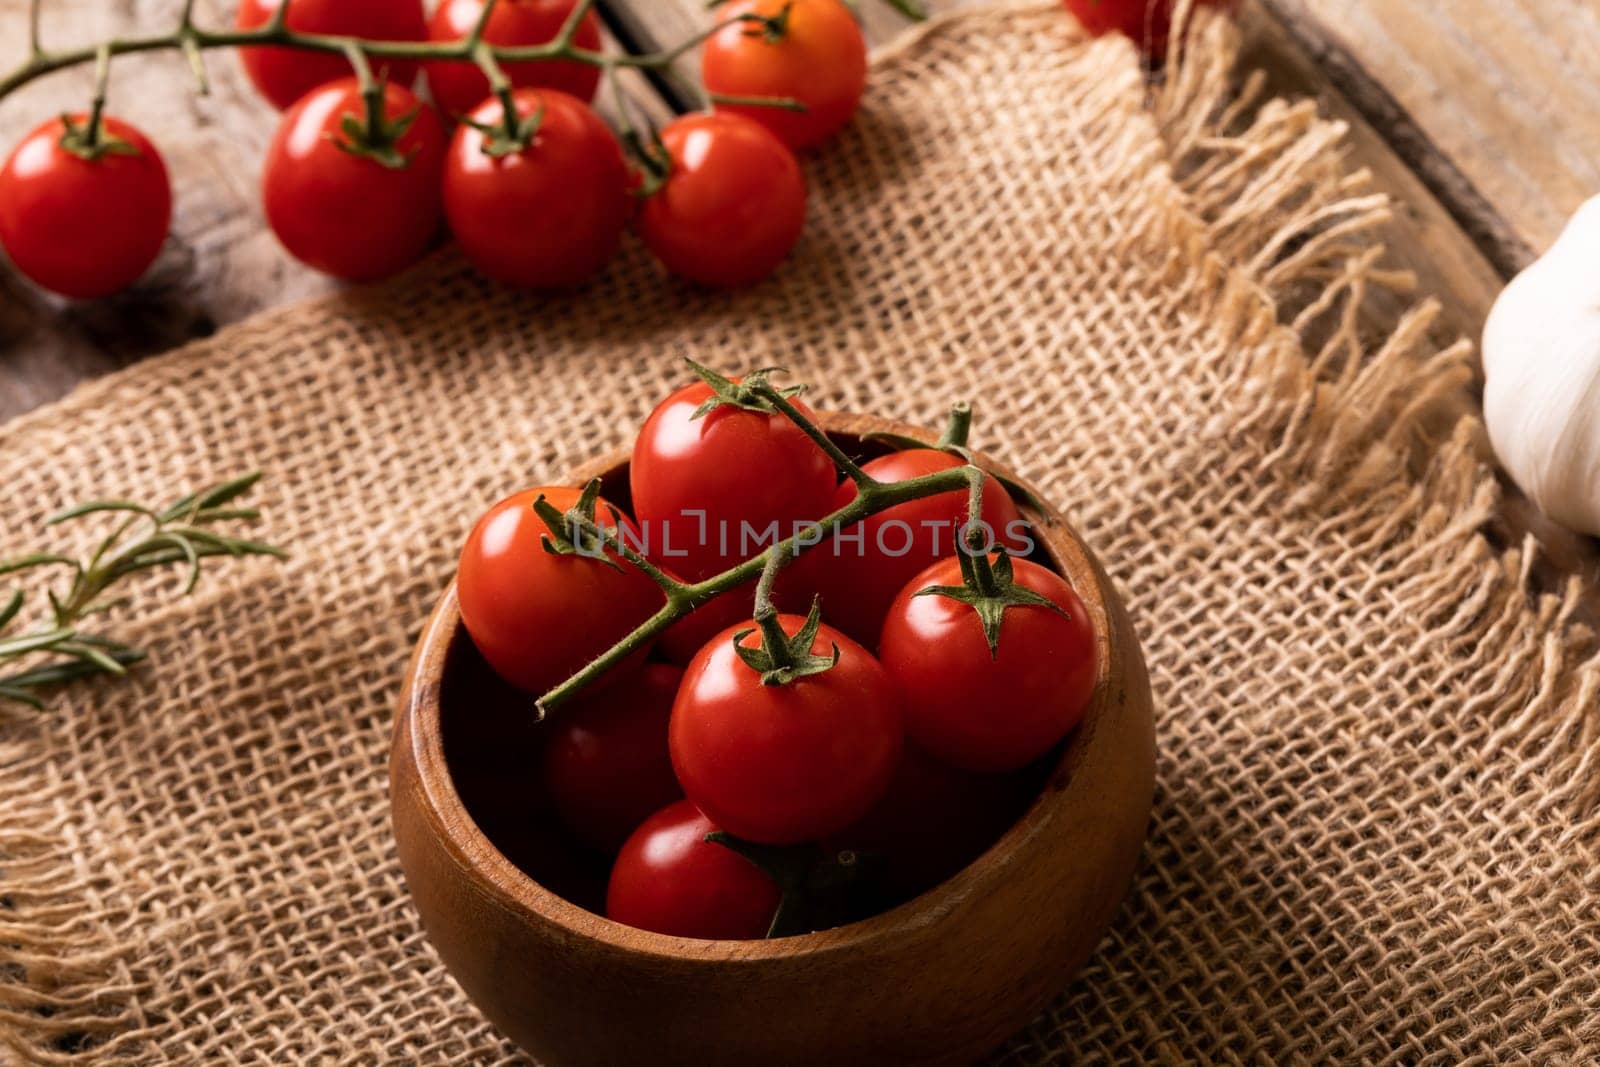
(668, 878)
(1148, 22)
(785, 763)
(458, 86)
(605, 760)
(350, 215)
(537, 616)
(284, 75)
(84, 228)
(859, 573)
(548, 215)
(932, 821)
(732, 205)
(984, 712)
(819, 59)
(699, 484)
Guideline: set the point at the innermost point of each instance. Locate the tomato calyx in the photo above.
(88, 140)
(511, 134)
(374, 135)
(779, 658)
(989, 589)
(753, 392)
(770, 28)
(575, 532)
(812, 886)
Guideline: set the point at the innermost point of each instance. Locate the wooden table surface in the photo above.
(1481, 117)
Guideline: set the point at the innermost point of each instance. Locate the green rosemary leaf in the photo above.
(96, 506)
(37, 559)
(13, 606)
(15, 646)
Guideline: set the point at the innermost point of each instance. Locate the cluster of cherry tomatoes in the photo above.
(729, 766)
(539, 201)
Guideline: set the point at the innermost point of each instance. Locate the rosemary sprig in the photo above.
(61, 649)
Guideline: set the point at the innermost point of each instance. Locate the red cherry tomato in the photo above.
(932, 821)
(668, 878)
(458, 86)
(549, 215)
(1148, 22)
(820, 59)
(982, 712)
(859, 578)
(345, 214)
(284, 75)
(605, 760)
(786, 763)
(732, 205)
(536, 616)
(699, 483)
(84, 228)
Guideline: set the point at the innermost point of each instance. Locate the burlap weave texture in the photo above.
(1375, 820)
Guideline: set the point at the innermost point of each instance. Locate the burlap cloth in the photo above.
(1375, 821)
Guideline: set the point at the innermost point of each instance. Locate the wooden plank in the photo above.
(1425, 237)
(220, 263)
(1494, 103)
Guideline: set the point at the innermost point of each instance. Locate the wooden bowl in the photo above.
(938, 980)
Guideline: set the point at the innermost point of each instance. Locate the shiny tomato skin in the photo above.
(670, 880)
(538, 617)
(932, 821)
(733, 203)
(1147, 22)
(791, 763)
(983, 713)
(821, 61)
(548, 216)
(735, 465)
(348, 215)
(284, 75)
(605, 759)
(84, 228)
(459, 86)
(858, 582)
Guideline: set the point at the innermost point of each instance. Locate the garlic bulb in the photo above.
(1541, 364)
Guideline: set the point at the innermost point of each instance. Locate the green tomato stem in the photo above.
(872, 497)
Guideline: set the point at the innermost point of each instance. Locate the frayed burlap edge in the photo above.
(1289, 244)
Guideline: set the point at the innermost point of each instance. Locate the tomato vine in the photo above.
(682, 597)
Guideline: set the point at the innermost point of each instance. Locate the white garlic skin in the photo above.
(1541, 365)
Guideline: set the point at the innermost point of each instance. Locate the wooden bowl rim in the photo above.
(509, 888)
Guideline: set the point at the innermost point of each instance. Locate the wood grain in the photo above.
(1494, 102)
(936, 981)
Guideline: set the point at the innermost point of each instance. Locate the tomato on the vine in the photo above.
(708, 485)
(539, 616)
(859, 573)
(982, 704)
(284, 75)
(815, 55)
(458, 86)
(346, 203)
(549, 213)
(732, 203)
(84, 227)
(605, 758)
(669, 879)
(1148, 22)
(783, 758)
